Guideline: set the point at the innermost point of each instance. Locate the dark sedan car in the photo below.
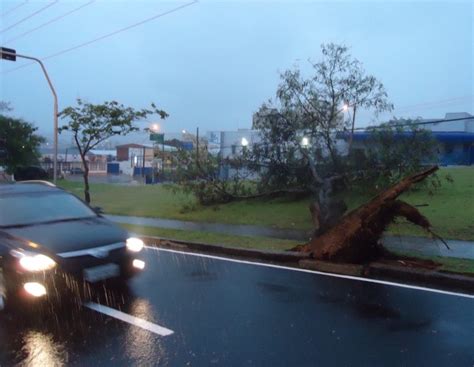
(50, 241)
(30, 173)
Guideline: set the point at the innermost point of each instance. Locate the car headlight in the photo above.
(34, 262)
(135, 244)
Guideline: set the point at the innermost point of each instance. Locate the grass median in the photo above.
(450, 209)
(161, 201)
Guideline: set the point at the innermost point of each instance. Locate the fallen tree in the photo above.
(355, 238)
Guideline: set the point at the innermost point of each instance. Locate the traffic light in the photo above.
(11, 56)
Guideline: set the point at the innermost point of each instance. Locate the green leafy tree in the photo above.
(395, 150)
(298, 149)
(91, 124)
(19, 143)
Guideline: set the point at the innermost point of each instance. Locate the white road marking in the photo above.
(317, 272)
(157, 329)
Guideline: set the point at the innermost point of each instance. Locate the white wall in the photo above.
(234, 138)
(453, 126)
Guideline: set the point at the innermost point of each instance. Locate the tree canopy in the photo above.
(92, 124)
(299, 126)
(20, 143)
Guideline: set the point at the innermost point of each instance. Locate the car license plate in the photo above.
(101, 272)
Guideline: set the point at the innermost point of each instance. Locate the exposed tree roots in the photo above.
(356, 237)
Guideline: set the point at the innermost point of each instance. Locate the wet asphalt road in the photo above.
(234, 314)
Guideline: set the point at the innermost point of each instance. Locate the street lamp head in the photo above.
(345, 107)
(183, 131)
(304, 142)
(245, 142)
(155, 127)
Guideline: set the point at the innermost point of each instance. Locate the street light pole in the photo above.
(352, 128)
(11, 56)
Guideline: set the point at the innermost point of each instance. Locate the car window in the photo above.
(41, 207)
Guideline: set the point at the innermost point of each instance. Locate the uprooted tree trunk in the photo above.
(356, 237)
(327, 210)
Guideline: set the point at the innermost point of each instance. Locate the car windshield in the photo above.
(27, 209)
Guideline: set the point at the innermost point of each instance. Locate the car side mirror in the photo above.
(98, 210)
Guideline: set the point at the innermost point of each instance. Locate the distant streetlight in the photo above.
(155, 127)
(345, 107)
(244, 142)
(304, 142)
(183, 131)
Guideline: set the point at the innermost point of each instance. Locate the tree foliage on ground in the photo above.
(202, 174)
(92, 124)
(20, 142)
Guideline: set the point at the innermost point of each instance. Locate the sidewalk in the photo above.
(234, 229)
(421, 245)
(430, 247)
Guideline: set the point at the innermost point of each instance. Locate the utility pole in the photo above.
(163, 159)
(197, 146)
(65, 161)
(11, 55)
(352, 128)
(143, 162)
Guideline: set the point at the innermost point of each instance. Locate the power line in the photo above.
(50, 22)
(107, 35)
(435, 103)
(29, 16)
(415, 123)
(13, 9)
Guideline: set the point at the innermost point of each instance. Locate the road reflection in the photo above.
(42, 350)
(57, 335)
(141, 346)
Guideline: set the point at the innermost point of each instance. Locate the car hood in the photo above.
(71, 235)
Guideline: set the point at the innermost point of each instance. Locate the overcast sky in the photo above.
(213, 63)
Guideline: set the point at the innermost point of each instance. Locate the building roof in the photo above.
(168, 148)
(134, 145)
(456, 115)
(104, 152)
(442, 136)
(46, 150)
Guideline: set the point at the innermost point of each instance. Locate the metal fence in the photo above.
(94, 167)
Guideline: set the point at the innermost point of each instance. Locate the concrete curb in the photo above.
(327, 267)
(286, 257)
(439, 279)
(375, 270)
(399, 274)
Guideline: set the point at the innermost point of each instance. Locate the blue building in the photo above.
(455, 138)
